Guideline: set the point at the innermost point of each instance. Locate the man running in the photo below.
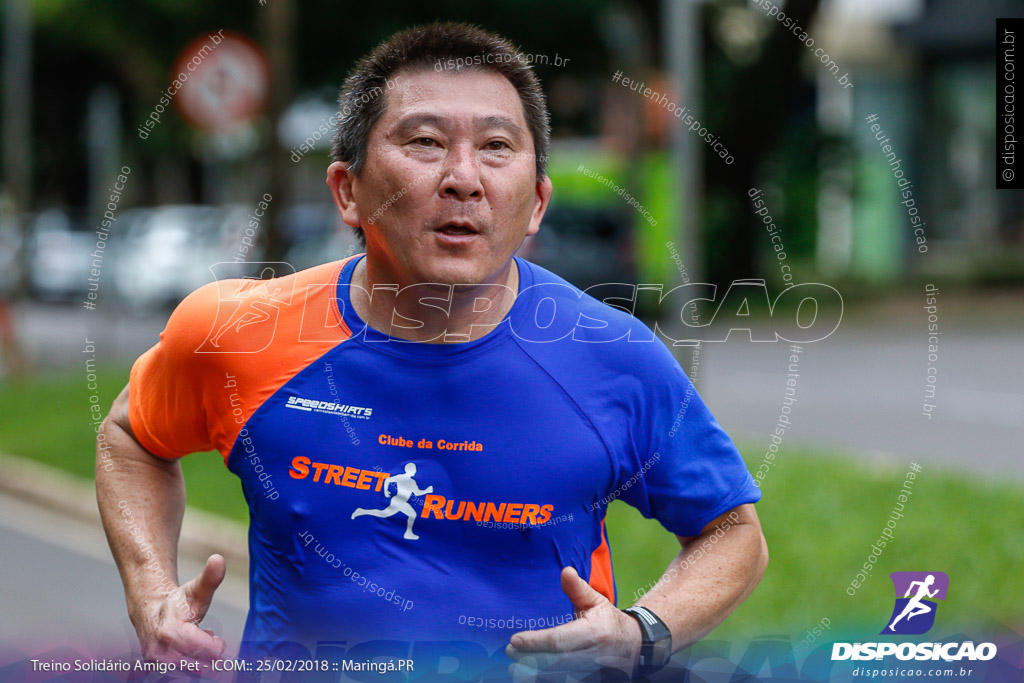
(405, 487)
(915, 607)
(517, 396)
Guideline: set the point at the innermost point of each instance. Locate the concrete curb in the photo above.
(202, 533)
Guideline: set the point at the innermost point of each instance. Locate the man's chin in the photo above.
(447, 279)
(452, 271)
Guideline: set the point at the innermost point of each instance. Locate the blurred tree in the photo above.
(311, 46)
(767, 91)
(278, 28)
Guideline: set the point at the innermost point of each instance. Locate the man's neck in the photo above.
(432, 313)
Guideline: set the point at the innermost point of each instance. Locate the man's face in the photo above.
(449, 189)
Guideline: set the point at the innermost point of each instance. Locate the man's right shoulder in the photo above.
(227, 348)
(248, 315)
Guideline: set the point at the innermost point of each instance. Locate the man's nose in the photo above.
(462, 174)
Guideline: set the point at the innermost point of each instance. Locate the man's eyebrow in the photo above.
(494, 121)
(416, 120)
(502, 122)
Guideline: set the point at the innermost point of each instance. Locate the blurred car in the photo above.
(60, 255)
(316, 234)
(166, 252)
(584, 245)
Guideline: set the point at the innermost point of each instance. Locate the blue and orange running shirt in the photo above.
(407, 492)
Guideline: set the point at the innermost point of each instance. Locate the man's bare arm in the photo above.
(710, 577)
(141, 499)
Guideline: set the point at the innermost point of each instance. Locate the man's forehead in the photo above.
(480, 98)
(417, 118)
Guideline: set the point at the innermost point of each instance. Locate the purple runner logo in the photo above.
(918, 591)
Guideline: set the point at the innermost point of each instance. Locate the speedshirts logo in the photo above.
(914, 614)
(329, 407)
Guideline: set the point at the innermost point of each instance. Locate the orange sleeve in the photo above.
(226, 349)
(169, 383)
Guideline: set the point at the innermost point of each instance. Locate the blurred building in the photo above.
(927, 70)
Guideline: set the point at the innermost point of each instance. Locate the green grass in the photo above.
(49, 420)
(821, 512)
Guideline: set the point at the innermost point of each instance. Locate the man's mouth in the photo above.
(457, 229)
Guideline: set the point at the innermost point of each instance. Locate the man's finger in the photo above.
(199, 590)
(575, 635)
(189, 643)
(200, 645)
(581, 593)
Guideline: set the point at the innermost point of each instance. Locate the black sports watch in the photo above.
(656, 646)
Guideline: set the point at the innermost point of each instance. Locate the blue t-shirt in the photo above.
(407, 492)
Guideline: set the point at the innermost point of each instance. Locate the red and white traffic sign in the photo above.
(223, 80)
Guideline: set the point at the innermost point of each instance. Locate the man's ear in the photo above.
(540, 204)
(339, 181)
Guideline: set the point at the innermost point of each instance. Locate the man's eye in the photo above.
(496, 146)
(426, 142)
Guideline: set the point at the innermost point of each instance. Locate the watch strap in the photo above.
(654, 633)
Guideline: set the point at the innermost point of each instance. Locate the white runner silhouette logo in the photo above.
(915, 607)
(405, 486)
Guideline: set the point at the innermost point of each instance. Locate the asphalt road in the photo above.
(61, 588)
(864, 388)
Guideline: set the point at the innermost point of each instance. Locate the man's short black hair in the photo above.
(437, 46)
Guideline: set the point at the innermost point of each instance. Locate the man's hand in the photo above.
(600, 637)
(168, 627)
